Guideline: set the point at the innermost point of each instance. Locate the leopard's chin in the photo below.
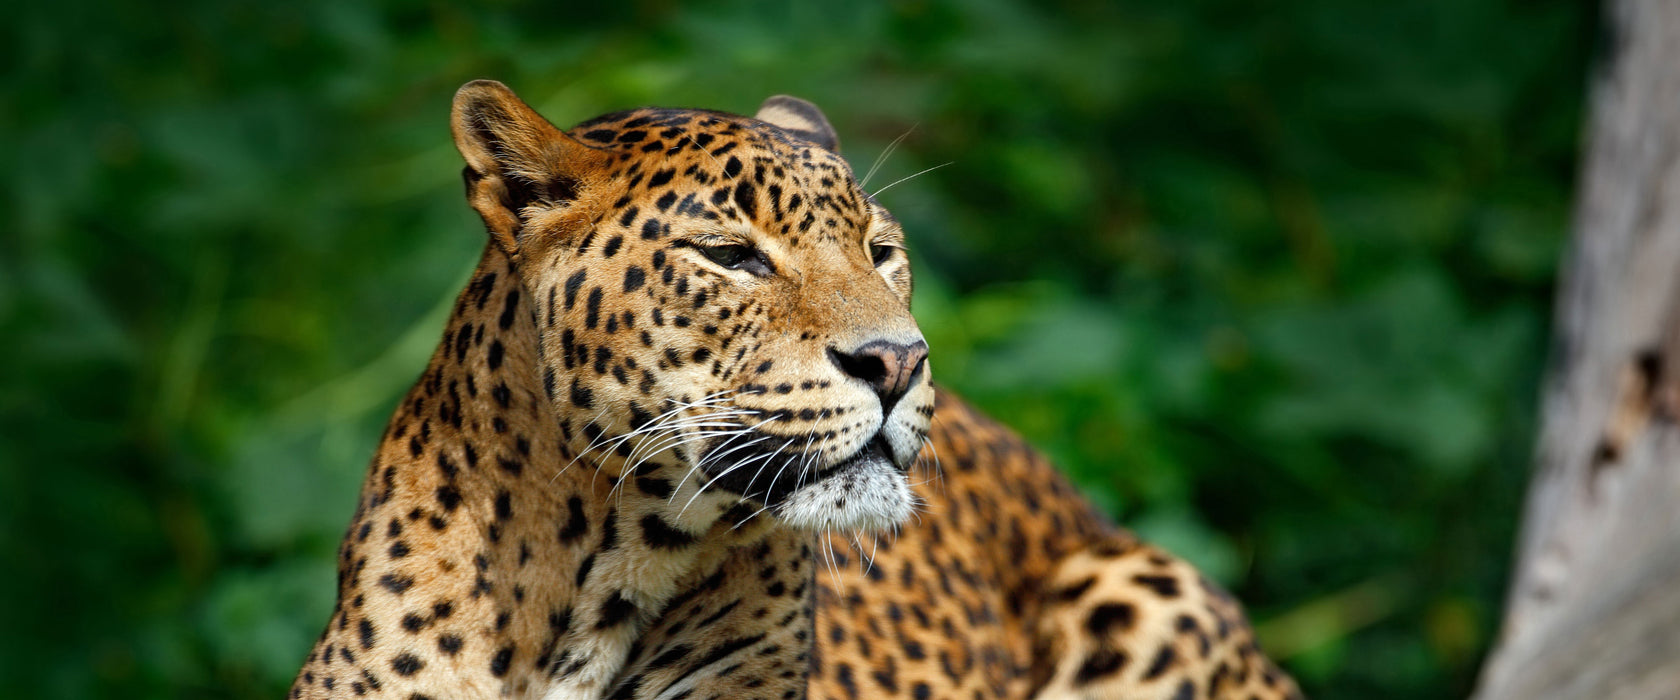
(866, 492)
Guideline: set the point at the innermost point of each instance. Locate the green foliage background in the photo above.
(1271, 280)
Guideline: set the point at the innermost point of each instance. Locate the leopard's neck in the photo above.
(484, 553)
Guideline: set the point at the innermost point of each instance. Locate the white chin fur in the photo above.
(872, 496)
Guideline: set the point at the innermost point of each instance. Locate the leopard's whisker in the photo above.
(769, 458)
(700, 466)
(708, 484)
(766, 463)
(725, 435)
(833, 563)
(670, 418)
(689, 438)
(749, 518)
(703, 150)
(712, 459)
(801, 471)
(885, 154)
(657, 441)
(924, 171)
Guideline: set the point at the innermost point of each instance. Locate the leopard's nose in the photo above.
(889, 368)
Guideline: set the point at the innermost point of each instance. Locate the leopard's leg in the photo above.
(1122, 619)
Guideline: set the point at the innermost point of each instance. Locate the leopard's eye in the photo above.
(880, 253)
(730, 256)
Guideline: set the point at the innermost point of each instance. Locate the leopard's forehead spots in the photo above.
(729, 171)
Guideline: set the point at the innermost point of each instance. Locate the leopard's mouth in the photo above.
(771, 481)
(867, 491)
(876, 450)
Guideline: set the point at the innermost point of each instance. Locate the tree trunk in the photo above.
(1594, 608)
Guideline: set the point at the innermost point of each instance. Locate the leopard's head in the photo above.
(718, 302)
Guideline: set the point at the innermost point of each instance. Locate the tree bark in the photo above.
(1594, 608)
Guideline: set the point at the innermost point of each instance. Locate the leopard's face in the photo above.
(720, 303)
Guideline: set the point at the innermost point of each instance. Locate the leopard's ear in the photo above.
(800, 118)
(515, 158)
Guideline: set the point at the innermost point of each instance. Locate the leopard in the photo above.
(680, 440)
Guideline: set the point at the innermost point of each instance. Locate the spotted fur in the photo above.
(679, 440)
